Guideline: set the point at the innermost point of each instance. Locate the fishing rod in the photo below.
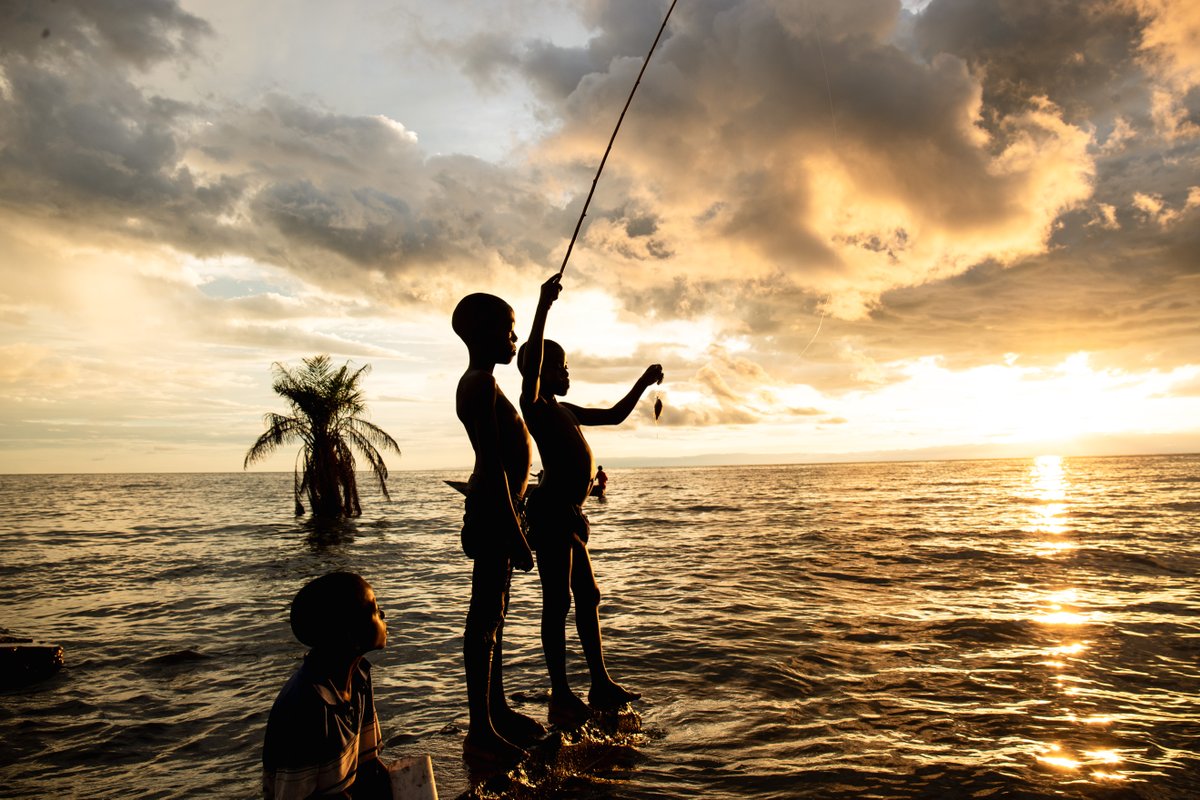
(613, 138)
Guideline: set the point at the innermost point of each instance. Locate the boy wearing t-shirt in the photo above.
(322, 736)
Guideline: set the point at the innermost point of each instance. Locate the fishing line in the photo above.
(613, 138)
(833, 127)
(828, 84)
(820, 322)
(658, 404)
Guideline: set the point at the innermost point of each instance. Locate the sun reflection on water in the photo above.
(1062, 618)
(1049, 487)
(1055, 755)
(1054, 547)
(1059, 609)
(1108, 776)
(1048, 477)
(1067, 610)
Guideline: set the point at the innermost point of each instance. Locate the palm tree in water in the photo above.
(326, 419)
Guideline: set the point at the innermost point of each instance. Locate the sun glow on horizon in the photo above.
(1065, 401)
(1010, 404)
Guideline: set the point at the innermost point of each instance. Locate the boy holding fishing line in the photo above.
(558, 528)
(493, 533)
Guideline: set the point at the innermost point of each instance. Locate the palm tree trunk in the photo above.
(324, 494)
(349, 489)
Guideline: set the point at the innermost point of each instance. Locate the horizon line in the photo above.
(683, 462)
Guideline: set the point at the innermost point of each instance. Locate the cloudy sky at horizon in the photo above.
(845, 227)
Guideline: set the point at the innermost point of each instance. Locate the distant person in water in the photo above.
(559, 529)
(322, 735)
(601, 480)
(493, 533)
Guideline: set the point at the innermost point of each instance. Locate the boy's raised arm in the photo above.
(618, 413)
(531, 370)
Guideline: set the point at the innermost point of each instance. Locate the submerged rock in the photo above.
(178, 657)
(23, 662)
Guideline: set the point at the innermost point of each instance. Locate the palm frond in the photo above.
(374, 458)
(373, 434)
(280, 430)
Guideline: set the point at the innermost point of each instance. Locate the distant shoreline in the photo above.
(689, 462)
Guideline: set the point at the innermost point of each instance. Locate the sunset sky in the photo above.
(847, 228)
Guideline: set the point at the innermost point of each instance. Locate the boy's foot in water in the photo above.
(610, 696)
(567, 710)
(491, 750)
(517, 728)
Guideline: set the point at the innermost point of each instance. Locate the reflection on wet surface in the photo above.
(1067, 610)
(1048, 511)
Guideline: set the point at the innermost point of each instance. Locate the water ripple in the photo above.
(959, 629)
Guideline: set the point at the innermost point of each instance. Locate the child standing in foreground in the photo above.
(493, 533)
(323, 736)
(559, 530)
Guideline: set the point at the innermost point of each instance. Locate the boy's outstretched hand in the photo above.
(652, 375)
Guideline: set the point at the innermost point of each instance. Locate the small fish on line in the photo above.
(657, 408)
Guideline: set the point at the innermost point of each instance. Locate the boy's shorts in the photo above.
(479, 536)
(550, 521)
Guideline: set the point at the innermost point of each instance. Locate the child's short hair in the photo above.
(473, 311)
(322, 607)
(548, 346)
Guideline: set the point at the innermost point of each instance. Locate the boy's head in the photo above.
(338, 611)
(555, 378)
(485, 323)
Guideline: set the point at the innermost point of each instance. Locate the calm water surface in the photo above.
(1015, 629)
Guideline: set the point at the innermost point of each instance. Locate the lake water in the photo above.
(988, 629)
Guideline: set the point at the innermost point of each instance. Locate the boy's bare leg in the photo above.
(482, 740)
(605, 693)
(554, 571)
(481, 656)
(511, 725)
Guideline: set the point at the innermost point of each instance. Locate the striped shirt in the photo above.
(315, 740)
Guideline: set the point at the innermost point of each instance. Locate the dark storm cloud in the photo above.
(1028, 134)
(82, 146)
(136, 32)
(1083, 56)
(78, 141)
(369, 196)
(1118, 294)
(325, 195)
(798, 140)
